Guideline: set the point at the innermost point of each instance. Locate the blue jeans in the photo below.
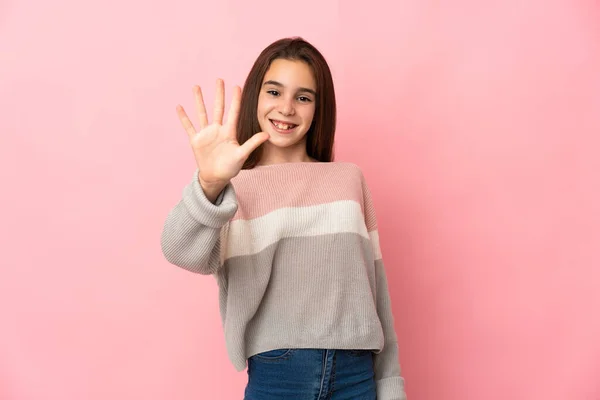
(307, 374)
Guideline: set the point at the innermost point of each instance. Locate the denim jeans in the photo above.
(311, 374)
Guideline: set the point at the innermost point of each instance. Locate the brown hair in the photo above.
(320, 136)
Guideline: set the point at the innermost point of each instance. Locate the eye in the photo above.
(273, 92)
(304, 99)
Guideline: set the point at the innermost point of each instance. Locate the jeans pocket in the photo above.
(274, 355)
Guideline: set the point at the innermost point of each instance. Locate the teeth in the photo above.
(282, 126)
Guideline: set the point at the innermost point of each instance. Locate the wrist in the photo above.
(211, 190)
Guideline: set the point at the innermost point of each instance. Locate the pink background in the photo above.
(476, 123)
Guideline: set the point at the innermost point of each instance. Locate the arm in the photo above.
(195, 228)
(390, 384)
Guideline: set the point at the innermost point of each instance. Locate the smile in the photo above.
(282, 126)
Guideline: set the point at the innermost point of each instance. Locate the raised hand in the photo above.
(218, 154)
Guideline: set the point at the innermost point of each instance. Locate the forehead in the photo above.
(291, 73)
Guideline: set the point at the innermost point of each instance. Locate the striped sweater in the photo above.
(294, 248)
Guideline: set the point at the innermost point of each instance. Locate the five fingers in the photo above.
(219, 109)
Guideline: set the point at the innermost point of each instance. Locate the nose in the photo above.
(287, 107)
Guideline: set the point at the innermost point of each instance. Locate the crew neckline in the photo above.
(293, 163)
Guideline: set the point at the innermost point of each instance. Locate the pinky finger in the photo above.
(185, 121)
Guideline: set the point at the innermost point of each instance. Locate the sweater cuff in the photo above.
(203, 210)
(391, 388)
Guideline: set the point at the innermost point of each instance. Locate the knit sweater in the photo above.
(294, 248)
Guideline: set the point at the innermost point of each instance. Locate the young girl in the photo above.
(290, 236)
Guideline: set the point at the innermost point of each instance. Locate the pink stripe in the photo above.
(297, 185)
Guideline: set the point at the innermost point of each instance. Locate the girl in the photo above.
(290, 236)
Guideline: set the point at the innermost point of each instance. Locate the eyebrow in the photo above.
(278, 84)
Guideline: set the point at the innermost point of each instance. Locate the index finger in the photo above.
(234, 109)
(219, 102)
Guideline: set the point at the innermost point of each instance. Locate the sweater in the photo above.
(294, 249)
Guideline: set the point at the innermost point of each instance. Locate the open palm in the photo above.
(218, 154)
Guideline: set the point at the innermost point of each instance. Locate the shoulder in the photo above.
(338, 173)
(354, 172)
(347, 167)
(350, 166)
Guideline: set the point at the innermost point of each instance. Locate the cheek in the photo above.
(264, 107)
(309, 113)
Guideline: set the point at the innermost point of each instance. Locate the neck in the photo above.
(276, 155)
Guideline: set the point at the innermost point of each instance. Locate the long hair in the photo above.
(320, 135)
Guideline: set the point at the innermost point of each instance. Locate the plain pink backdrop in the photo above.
(477, 125)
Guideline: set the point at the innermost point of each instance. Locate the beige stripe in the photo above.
(247, 237)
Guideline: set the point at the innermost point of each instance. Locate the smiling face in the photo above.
(286, 106)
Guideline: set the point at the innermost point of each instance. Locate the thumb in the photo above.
(251, 144)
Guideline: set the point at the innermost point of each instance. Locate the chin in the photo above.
(283, 142)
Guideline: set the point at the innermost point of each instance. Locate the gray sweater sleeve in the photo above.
(192, 233)
(390, 383)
